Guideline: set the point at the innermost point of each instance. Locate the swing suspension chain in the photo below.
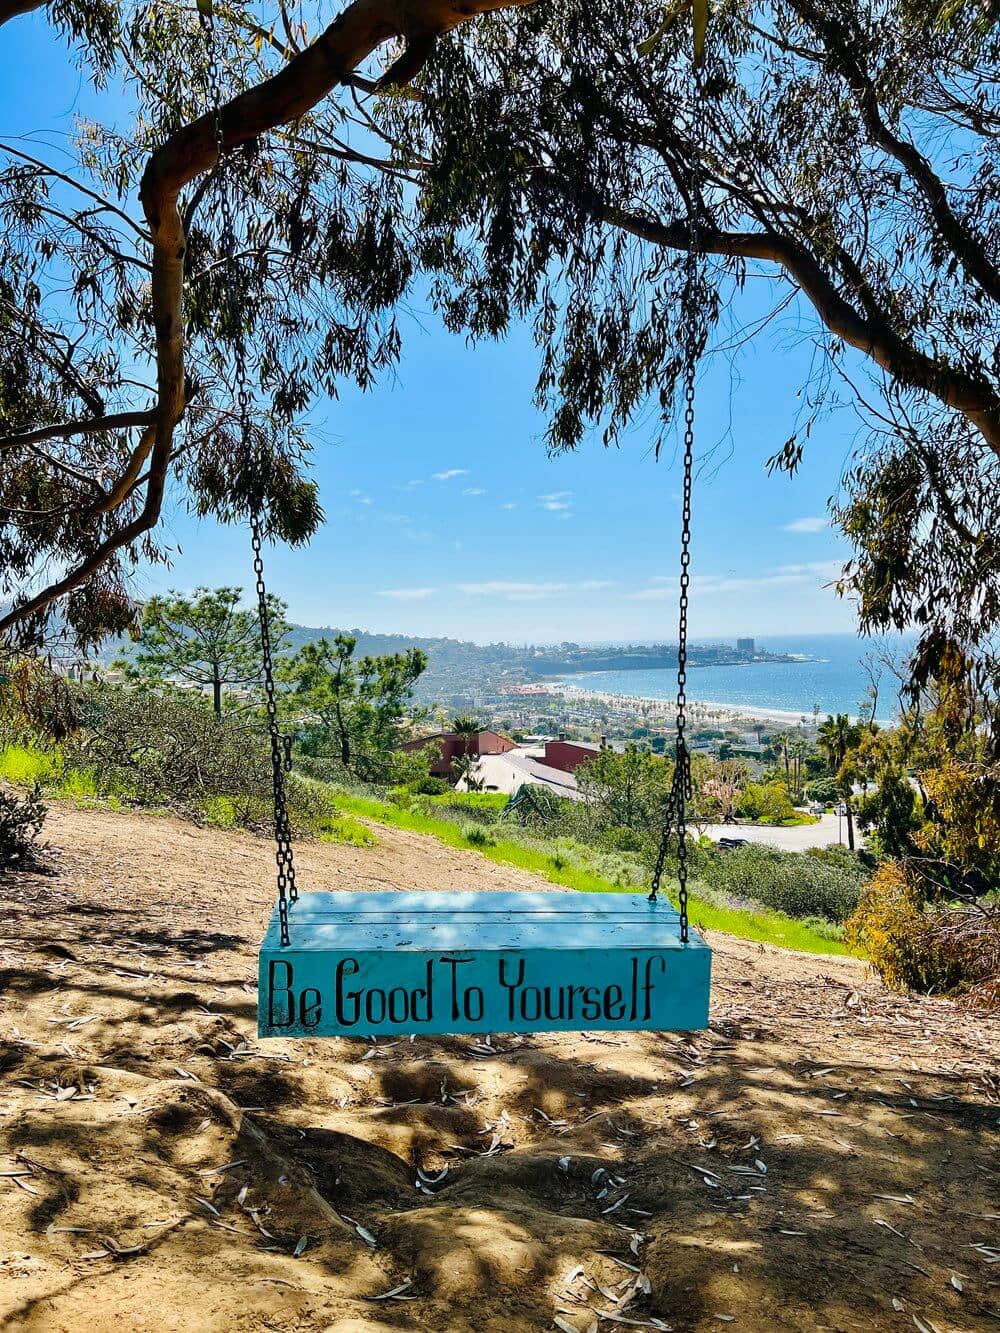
(681, 790)
(280, 745)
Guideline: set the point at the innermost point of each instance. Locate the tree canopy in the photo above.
(543, 163)
(119, 316)
(348, 709)
(207, 641)
(845, 155)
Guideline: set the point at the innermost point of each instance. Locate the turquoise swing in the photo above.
(336, 964)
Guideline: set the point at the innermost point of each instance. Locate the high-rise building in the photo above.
(746, 646)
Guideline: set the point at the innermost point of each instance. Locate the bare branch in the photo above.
(66, 429)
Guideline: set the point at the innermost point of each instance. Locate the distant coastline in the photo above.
(817, 676)
(704, 712)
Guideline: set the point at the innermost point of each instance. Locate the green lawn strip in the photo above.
(762, 927)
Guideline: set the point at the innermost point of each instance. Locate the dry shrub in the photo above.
(21, 819)
(935, 949)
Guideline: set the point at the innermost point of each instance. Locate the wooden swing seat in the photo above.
(397, 963)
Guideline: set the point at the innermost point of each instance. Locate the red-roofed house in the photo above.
(455, 746)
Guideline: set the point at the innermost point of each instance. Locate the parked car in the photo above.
(816, 809)
(728, 844)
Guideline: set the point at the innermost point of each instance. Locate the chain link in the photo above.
(280, 747)
(681, 791)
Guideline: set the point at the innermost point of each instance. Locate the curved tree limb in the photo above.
(961, 240)
(359, 30)
(66, 429)
(973, 399)
(12, 9)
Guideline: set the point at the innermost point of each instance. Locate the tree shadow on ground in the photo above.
(559, 1151)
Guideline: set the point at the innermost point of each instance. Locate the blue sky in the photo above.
(445, 516)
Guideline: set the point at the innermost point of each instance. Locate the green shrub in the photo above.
(323, 769)
(824, 790)
(220, 812)
(478, 836)
(21, 820)
(169, 750)
(827, 930)
(795, 883)
(430, 786)
(765, 803)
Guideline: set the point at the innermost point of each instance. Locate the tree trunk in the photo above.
(850, 821)
(345, 740)
(216, 693)
(357, 31)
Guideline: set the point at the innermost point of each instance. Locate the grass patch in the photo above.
(471, 800)
(347, 832)
(25, 765)
(762, 927)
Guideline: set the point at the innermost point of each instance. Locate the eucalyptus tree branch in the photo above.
(122, 488)
(62, 466)
(359, 30)
(12, 9)
(66, 429)
(60, 358)
(75, 222)
(960, 239)
(45, 169)
(876, 339)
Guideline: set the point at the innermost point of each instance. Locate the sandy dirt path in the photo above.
(824, 1157)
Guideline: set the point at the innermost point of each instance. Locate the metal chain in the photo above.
(280, 749)
(681, 791)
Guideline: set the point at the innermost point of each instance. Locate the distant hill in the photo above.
(439, 650)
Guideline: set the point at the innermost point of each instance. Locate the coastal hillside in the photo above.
(824, 1155)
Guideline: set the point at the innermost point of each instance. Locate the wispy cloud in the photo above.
(407, 594)
(361, 498)
(531, 592)
(450, 473)
(812, 574)
(559, 503)
(473, 490)
(509, 505)
(815, 524)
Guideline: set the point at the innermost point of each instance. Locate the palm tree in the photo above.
(837, 737)
(468, 728)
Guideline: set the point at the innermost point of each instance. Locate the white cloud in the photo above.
(531, 592)
(558, 502)
(509, 505)
(473, 490)
(451, 472)
(811, 575)
(407, 594)
(815, 524)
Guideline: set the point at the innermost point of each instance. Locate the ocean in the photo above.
(834, 678)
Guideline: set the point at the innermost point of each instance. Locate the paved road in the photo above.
(788, 839)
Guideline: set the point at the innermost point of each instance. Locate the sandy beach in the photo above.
(702, 712)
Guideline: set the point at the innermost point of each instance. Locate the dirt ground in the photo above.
(824, 1157)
